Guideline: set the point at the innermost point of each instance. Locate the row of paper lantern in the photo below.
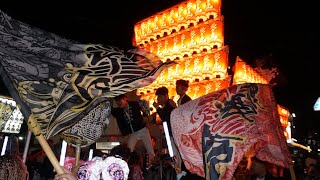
(206, 36)
(11, 117)
(10, 127)
(9, 111)
(197, 68)
(243, 73)
(174, 18)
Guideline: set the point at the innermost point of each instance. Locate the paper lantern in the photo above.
(176, 19)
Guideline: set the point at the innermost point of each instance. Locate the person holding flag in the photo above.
(164, 112)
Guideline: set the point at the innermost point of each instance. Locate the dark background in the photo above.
(286, 30)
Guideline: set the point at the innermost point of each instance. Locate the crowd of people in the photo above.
(132, 117)
(13, 168)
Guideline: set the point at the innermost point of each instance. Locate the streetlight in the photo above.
(316, 106)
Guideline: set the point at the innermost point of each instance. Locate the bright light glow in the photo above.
(20, 138)
(5, 142)
(90, 154)
(115, 143)
(288, 129)
(166, 132)
(63, 152)
(316, 106)
(293, 115)
(309, 149)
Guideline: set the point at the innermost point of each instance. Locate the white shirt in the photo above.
(179, 100)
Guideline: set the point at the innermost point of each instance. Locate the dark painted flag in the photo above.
(67, 85)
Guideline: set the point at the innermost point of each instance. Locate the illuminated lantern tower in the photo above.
(191, 33)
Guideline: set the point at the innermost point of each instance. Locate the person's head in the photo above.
(310, 163)
(166, 159)
(310, 160)
(135, 158)
(121, 100)
(182, 87)
(121, 150)
(258, 167)
(314, 170)
(12, 167)
(162, 95)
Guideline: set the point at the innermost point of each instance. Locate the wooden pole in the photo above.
(292, 173)
(77, 155)
(34, 127)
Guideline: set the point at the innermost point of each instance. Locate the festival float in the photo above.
(192, 33)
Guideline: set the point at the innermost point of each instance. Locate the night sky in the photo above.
(253, 29)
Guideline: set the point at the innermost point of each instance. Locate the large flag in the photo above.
(215, 131)
(67, 85)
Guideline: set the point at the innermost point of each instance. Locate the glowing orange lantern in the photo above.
(243, 73)
(176, 19)
(220, 58)
(284, 114)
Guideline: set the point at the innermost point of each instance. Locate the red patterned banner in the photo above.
(219, 128)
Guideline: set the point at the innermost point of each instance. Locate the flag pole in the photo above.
(77, 155)
(36, 130)
(26, 146)
(292, 173)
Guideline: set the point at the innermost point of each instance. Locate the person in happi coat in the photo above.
(129, 116)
